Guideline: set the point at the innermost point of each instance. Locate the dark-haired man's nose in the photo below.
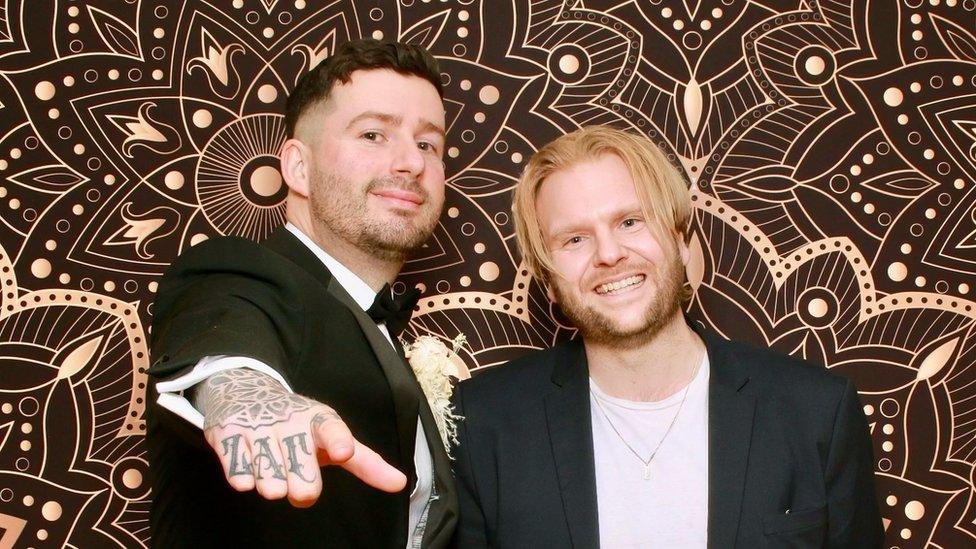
(408, 159)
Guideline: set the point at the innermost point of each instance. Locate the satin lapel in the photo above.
(730, 419)
(443, 513)
(571, 436)
(408, 398)
(406, 393)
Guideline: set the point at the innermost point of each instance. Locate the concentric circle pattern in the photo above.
(830, 146)
(238, 183)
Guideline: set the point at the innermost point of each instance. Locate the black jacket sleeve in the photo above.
(852, 507)
(225, 299)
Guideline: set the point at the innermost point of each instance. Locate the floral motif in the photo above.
(434, 365)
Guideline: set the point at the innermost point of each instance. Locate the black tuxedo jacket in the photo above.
(782, 435)
(276, 302)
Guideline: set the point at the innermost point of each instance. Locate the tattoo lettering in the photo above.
(247, 398)
(293, 445)
(270, 463)
(238, 466)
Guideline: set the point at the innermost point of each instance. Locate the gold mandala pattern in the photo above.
(831, 145)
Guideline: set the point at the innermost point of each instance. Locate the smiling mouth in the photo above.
(620, 286)
(400, 198)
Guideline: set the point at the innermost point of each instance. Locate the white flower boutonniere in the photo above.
(434, 365)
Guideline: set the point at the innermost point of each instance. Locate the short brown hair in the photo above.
(356, 55)
(662, 190)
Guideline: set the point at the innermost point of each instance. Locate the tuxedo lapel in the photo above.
(571, 436)
(408, 398)
(443, 512)
(402, 386)
(730, 419)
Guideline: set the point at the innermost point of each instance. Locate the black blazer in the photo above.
(278, 303)
(782, 435)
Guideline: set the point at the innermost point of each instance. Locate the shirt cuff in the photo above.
(171, 391)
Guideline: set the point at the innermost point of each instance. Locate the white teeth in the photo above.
(615, 287)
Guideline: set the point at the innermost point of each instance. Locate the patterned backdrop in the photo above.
(831, 144)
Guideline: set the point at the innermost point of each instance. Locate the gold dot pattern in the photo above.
(831, 181)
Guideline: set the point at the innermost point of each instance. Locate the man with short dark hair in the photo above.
(648, 431)
(275, 342)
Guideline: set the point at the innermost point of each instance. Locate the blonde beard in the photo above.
(597, 327)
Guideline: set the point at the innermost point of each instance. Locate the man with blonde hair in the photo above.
(647, 431)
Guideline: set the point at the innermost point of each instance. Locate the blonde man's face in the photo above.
(613, 277)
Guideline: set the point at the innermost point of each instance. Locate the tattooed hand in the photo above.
(275, 441)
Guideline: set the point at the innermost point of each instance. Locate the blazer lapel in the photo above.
(402, 385)
(407, 394)
(571, 436)
(443, 513)
(407, 398)
(730, 419)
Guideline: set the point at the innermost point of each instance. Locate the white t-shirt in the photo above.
(670, 508)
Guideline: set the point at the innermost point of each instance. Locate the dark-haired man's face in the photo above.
(376, 177)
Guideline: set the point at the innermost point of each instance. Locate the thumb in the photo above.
(339, 447)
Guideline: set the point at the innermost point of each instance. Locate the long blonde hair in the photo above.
(662, 190)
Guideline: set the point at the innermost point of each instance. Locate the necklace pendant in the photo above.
(647, 472)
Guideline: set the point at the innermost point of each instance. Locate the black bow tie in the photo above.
(394, 312)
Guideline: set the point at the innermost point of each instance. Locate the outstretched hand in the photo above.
(274, 441)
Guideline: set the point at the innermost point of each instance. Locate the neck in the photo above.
(374, 270)
(652, 371)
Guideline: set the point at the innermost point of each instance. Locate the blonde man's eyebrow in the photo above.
(562, 232)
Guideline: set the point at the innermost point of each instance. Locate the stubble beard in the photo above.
(597, 327)
(349, 217)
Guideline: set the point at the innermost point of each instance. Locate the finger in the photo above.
(302, 469)
(339, 447)
(370, 468)
(235, 458)
(333, 436)
(267, 467)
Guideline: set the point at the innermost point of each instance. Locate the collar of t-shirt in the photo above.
(356, 287)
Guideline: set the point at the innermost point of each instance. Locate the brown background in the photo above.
(832, 144)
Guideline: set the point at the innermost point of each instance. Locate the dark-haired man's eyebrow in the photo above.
(394, 120)
(428, 126)
(385, 118)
